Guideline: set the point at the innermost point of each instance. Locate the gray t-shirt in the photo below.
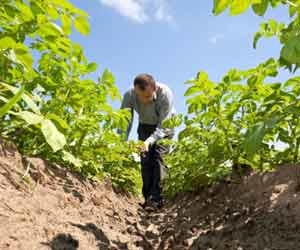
(152, 113)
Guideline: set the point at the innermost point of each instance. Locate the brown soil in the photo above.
(45, 206)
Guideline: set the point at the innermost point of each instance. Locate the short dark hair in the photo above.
(143, 81)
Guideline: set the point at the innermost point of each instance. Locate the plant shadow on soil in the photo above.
(68, 242)
(102, 240)
(63, 242)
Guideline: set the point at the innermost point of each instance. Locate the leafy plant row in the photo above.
(244, 117)
(48, 105)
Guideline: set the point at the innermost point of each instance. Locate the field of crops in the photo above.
(50, 108)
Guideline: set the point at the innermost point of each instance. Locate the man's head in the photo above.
(145, 87)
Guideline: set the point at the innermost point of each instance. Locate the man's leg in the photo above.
(147, 175)
(156, 158)
(144, 131)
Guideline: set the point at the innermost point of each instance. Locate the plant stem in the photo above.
(291, 3)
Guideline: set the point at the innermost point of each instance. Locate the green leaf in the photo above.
(107, 77)
(253, 138)
(295, 81)
(7, 43)
(202, 76)
(172, 122)
(68, 157)
(53, 12)
(66, 23)
(11, 102)
(27, 15)
(275, 3)
(49, 29)
(58, 119)
(273, 25)
(193, 90)
(291, 51)
(37, 8)
(257, 36)
(92, 67)
(65, 4)
(30, 117)
(260, 8)
(19, 53)
(220, 6)
(238, 6)
(292, 10)
(24, 56)
(31, 104)
(54, 138)
(82, 25)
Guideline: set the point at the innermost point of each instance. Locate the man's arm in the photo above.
(127, 103)
(165, 112)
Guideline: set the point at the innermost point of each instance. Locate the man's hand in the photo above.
(144, 147)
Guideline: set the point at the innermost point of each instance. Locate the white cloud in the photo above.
(141, 10)
(162, 12)
(215, 38)
(130, 8)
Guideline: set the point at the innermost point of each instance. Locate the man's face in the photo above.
(145, 96)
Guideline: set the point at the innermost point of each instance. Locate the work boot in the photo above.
(153, 205)
(145, 203)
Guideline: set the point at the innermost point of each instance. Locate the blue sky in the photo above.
(172, 40)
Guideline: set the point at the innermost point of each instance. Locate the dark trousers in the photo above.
(151, 163)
